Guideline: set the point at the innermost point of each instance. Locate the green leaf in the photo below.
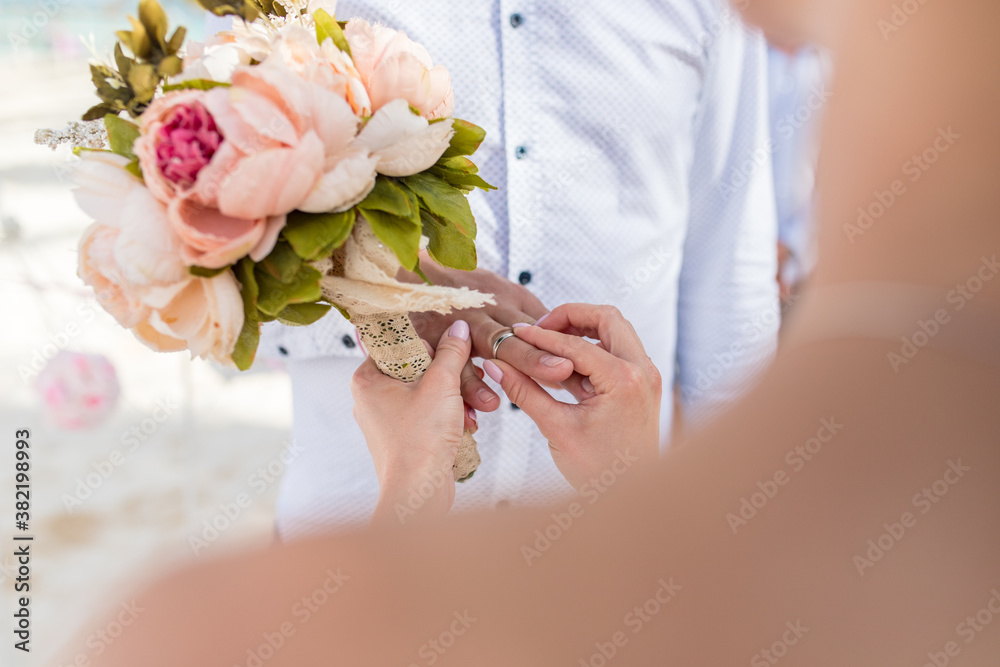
(444, 201)
(400, 234)
(134, 169)
(154, 19)
(175, 43)
(143, 79)
(246, 344)
(276, 295)
(170, 66)
(387, 196)
(302, 314)
(124, 64)
(423, 276)
(448, 246)
(461, 180)
(77, 150)
(121, 135)
(202, 272)
(328, 28)
(467, 139)
(314, 235)
(99, 111)
(282, 263)
(343, 311)
(195, 84)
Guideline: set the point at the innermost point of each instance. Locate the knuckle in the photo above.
(632, 377)
(517, 393)
(655, 378)
(609, 313)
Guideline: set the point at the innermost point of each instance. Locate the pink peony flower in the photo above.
(217, 58)
(392, 66)
(133, 237)
(230, 163)
(203, 315)
(99, 269)
(79, 390)
(403, 142)
(287, 109)
(296, 51)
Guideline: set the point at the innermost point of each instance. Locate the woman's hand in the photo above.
(618, 416)
(414, 430)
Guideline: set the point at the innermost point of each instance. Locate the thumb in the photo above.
(526, 394)
(452, 351)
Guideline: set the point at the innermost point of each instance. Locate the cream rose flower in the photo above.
(392, 66)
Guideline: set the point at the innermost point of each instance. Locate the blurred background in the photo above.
(145, 461)
(132, 452)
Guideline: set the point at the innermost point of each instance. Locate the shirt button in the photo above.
(348, 342)
(283, 351)
(503, 504)
(521, 152)
(516, 20)
(514, 407)
(524, 278)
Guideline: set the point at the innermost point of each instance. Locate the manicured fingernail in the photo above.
(493, 371)
(542, 319)
(551, 361)
(588, 386)
(472, 416)
(519, 325)
(459, 329)
(486, 396)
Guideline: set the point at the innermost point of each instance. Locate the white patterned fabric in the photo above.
(629, 142)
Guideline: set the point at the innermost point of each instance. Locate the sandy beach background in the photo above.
(191, 438)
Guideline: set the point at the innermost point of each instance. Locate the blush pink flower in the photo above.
(205, 314)
(230, 163)
(99, 269)
(392, 66)
(296, 51)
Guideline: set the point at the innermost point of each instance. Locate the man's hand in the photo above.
(514, 304)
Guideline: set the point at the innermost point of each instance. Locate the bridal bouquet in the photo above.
(284, 168)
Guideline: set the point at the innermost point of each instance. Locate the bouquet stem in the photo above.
(398, 352)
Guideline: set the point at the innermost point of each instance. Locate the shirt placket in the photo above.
(519, 81)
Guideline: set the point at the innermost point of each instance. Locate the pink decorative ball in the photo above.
(79, 391)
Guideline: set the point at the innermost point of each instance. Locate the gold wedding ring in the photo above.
(501, 338)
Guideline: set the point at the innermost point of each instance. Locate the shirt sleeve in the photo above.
(728, 312)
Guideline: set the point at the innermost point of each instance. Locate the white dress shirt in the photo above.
(630, 146)
(799, 94)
